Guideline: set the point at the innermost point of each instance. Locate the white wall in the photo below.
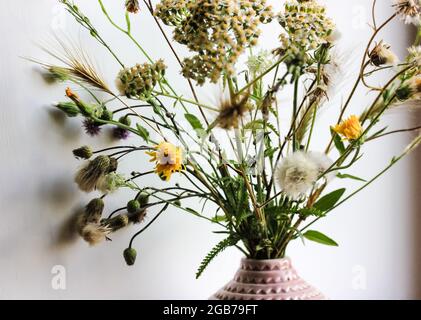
(378, 231)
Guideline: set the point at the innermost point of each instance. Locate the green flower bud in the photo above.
(85, 108)
(133, 206)
(404, 93)
(125, 120)
(69, 108)
(84, 152)
(107, 115)
(143, 199)
(130, 256)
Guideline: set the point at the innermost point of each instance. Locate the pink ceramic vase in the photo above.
(267, 280)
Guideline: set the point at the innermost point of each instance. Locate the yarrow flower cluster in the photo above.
(140, 80)
(306, 26)
(218, 31)
(298, 172)
(409, 10)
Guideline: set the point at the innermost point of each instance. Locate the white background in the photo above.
(378, 231)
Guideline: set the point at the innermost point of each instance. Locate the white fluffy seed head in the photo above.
(298, 172)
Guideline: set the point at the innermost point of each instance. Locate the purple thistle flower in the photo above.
(120, 133)
(92, 128)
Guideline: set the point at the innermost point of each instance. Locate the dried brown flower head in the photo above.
(232, 111)
(94, 233)
(88, 176)
(409, 10)
(382, 55)
(132, 6)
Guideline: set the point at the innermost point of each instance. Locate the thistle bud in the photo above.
(84, 152)
(133, 206)
(69, 108)
(112, 167)
(107, 115)
(132, 6)
(130, 256)
(84, 108)
(88, 176)
(143, 199)
(93, 210)
(125, 120)
(116, 223)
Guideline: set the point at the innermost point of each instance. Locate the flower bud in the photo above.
(116, 223)
(93, 210)
(133, 206)
(125, 120)
(113, 165)
(130, 256)
(69, 108)
(88, 176)
(132, 6)
(107, 115)
(143, 199)
(84, 152)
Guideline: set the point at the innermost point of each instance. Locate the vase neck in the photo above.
(269, 264)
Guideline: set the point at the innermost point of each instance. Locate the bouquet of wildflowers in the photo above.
(264, 181)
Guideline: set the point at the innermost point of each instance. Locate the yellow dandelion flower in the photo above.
(350, 128)
(168, 159)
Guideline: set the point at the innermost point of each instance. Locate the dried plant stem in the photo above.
(360, 75)
(393, 132)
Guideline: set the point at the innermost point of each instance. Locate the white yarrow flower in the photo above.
(298, 172)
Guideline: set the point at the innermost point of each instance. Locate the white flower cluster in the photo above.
(298, 172)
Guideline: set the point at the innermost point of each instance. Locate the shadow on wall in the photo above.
(415, 182)
(416, 219)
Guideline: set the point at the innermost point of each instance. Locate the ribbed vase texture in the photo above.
(267, 280)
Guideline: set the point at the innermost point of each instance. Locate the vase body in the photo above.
(267, 280)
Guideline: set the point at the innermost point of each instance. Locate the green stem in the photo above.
(294, 112)
(185, 100)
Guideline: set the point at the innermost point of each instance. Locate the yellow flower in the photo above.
(350, 128)
(168, 159)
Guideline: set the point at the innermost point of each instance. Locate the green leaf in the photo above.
(254, 125)
(221, 246)
(143, 132)
(219, 218)
(349, 176)
(194, 121)
(319, 237)
(329, 200)
(306, 212)
(338, 142)
(193, 212)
